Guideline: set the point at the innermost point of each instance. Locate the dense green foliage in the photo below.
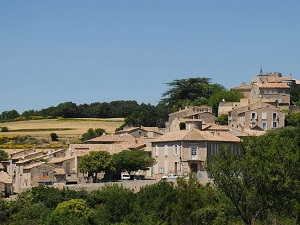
(264, 181)
(185, 91)
(224, 95)
(160, 203)
(132, 160)
(292, 119)
(3, 155)
(4, 129)
(95, 162)
(91, 133)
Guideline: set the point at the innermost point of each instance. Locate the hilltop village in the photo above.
(189, 139)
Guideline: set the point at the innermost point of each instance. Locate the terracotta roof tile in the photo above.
(32, 165)
(60, 159)
(243, 87)
(112, 138)
(197, 135)
(273, 85)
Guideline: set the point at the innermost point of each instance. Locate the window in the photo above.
(264, 126)
(156, 150)
(161, 170)
(274, 124)
(166, 150)
(264, 116)
(176, 150)
(194, 150)
(253, 116)
(275, 116)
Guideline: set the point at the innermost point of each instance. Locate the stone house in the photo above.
(114, 143)
(24, 155)
(137, 132)
(203, 113)
(260, 116)
(264, 106)
(184, 151)
(39, 173)
(6, 187)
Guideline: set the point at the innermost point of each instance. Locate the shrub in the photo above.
(54, 137)
(4, 129)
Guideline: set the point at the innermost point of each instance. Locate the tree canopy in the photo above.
(95, 162)
(132, 160)
(223, 95)
(91, 133)
(265, 178)
(3, 155)
(185, 91)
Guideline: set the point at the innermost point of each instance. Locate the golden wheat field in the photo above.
(64, 127)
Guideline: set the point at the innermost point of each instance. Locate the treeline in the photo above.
(161, 203)
(136, 114)
(181, 93)
(113, 109)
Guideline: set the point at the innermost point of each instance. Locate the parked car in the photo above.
(125, 176)
(169, 176)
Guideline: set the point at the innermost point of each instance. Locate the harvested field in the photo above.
(67, 130)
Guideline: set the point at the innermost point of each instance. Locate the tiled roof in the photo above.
(83, 149)
(113, 138)
(32, 165)
(19, 155)
(197, 135)
(128, 129)
(60, 159)
(243, 87)
(273, 85)
(215, 127)
(5, 178)
(149, 129)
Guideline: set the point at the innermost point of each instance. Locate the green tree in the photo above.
(264, 180)
(4, 211)
(72, 212)
(189, 90)
(222, 119)
(91, 133)
(54, 137)
(132, 160)
(33, 214)
(292, 119)
(224, 95)
(3, 155)
(188, 200)
(9, 115)
(49, 196)
(4, 129)
(198, 204)
(112, 203)
(145, 115)
(95, 162)
(154, 204)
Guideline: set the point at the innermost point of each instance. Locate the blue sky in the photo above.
(100, 51)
